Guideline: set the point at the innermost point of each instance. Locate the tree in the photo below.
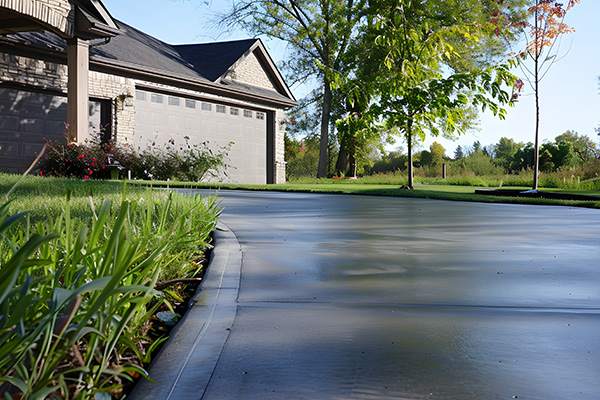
(319, 33)
(542, 38)
(409, 61)
(437, 153)
(458, 153)
(582, 145)
(505, 151)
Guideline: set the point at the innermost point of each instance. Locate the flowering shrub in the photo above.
(96, 160)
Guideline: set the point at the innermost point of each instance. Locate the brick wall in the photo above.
(251, 71)
(118, 89)
(52, 76)
(280, 163)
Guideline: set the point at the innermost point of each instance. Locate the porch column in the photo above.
(78, 62)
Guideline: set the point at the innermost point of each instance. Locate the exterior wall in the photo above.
(28, 71)
(280, 163)
(51, 76)
(250, 71)
(119, 90)
(54, 13)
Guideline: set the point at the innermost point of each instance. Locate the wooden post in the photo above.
(77, 86)
(444, 171)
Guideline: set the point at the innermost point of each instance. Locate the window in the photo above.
(234, 111)
(207, 106)
(190, 104)
(260, 115)
(141, 96)
(247, 114)
(221, 109)
(173, 101)
(157, 98)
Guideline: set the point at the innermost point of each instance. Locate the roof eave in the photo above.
(142, 73)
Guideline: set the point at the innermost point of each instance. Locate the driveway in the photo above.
(351, 297)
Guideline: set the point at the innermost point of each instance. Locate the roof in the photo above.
(199, 66)
(213, 60)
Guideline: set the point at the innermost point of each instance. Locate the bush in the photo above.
(97, 160)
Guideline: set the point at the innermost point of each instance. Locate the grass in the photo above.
(431, 189)
(84, 267)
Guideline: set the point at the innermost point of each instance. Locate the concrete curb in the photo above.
(184, 366)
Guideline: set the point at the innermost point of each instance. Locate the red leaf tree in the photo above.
(543, 49)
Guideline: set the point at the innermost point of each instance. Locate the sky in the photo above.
(569, 94)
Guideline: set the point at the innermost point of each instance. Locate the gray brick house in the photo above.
(68, 62)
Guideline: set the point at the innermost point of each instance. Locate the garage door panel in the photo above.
(9, 149)
(9, 123)
(26, 120)
(55, 128)
(31, 150)
(204, 124)
(33, 125)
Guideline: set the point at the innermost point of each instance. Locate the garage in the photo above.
(27, 119)
(163, 117)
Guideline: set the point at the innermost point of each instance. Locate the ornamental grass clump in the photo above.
(77, 295)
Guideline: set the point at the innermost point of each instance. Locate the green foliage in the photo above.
(69, 299)
(318, 33)
(96, 159)
(505, 151)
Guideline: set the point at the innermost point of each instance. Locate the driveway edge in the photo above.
(184, 366)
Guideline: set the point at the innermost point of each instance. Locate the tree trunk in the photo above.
(327, 96)
(410, 155)
(536, 152)
(341, 166)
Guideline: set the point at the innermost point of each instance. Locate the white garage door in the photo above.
(26, 119)
(161, 118)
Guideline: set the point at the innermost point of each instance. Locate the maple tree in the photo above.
(542, 48)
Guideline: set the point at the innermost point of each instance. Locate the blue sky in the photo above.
(570, 95)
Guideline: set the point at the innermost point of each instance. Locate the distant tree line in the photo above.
(568, 151)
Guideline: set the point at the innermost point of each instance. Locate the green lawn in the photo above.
(437, 191)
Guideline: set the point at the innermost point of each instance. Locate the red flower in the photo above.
(86, 177)
(80, 156)
(153, 143)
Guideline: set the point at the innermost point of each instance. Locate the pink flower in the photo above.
(86, 177)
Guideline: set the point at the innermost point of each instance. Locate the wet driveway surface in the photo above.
(347, 297)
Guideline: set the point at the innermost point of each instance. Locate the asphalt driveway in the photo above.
(351, 297)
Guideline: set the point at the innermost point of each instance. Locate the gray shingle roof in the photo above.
(136, 48)
(137, 51)
(212, 60)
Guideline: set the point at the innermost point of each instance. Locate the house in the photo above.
(68, 62)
